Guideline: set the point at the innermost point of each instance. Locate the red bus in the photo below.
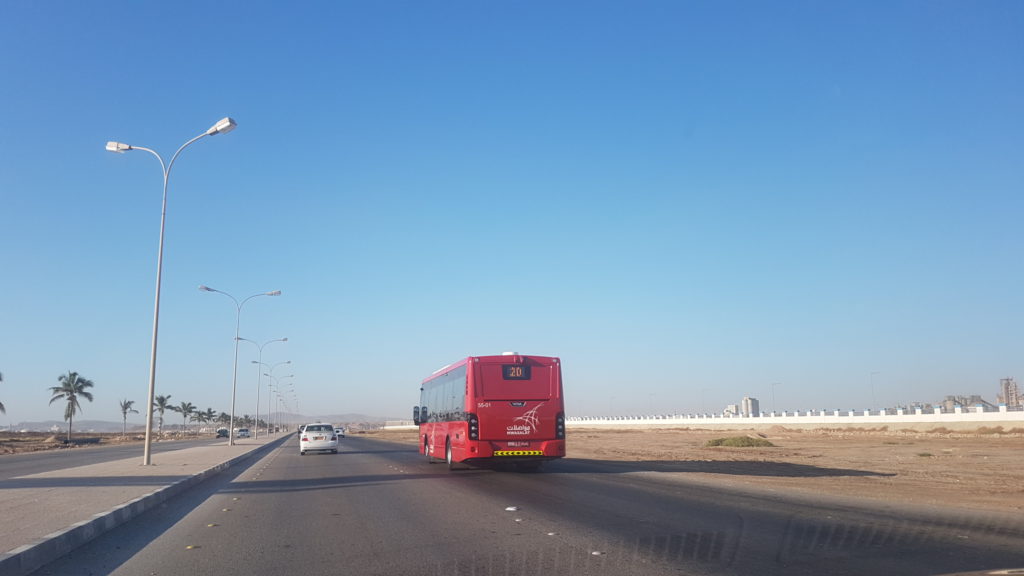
(506, 408)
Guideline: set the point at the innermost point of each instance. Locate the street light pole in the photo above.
(274, 387)
(873, 403)
(259, 378)
(223, 126)
(283, 377)
(773, 385)
(271, 369)
(234, 372)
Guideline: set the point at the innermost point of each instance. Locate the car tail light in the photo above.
(474, 427)
(560, 426)
(334, 438)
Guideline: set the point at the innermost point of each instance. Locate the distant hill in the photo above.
(80, 426)
(349, 418)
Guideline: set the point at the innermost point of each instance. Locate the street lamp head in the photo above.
(118, 147)
(223, 126)
(274, 293)
(205, 288)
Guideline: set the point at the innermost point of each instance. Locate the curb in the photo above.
(25, 559)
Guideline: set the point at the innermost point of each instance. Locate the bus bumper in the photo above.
(498, 450)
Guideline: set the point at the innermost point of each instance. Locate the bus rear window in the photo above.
(515, 382)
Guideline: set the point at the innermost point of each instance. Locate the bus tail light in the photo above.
(474, 427)
(560, 426)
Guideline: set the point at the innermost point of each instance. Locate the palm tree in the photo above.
(210, 414)
(186, 409)
(2, 409)
(200, 416)
(224, 418)
(161, 403)
(206, 416)
(126, 407)
(71, 387)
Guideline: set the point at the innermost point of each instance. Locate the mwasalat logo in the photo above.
(529, 422)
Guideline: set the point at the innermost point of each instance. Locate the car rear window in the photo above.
(319, 429)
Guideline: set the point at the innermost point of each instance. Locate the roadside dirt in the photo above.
(17, 443)
(980, 471)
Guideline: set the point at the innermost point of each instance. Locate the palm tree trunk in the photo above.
(71, 418)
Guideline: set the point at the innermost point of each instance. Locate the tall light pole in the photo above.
(234, 372)
(274, 387)
(282, 378)
(873, 403)
(224, 126)
(264, 365)
(773, 385)
(282, 402)
(259, 379)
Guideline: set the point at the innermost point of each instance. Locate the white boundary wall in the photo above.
(960, 418)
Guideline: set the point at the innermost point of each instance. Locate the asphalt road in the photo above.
(14, 465)
(379, 508)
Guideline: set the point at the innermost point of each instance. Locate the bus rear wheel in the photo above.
(448, 454)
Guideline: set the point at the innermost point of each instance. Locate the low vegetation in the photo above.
(740, 442)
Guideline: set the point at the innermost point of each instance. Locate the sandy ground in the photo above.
(967, 470)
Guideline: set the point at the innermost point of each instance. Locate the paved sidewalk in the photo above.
(44, 516)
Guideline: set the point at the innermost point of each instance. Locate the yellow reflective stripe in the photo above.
(518, 452)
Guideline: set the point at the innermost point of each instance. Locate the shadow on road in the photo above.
(119, 545)
(735, 468)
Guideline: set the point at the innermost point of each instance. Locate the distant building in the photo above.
(951, 402)
(1009, 394)
(750, 407)
(732, 410)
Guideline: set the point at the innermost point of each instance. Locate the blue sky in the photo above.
(685, 201)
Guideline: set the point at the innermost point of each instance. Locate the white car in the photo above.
(318, 437)
(242, 433)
